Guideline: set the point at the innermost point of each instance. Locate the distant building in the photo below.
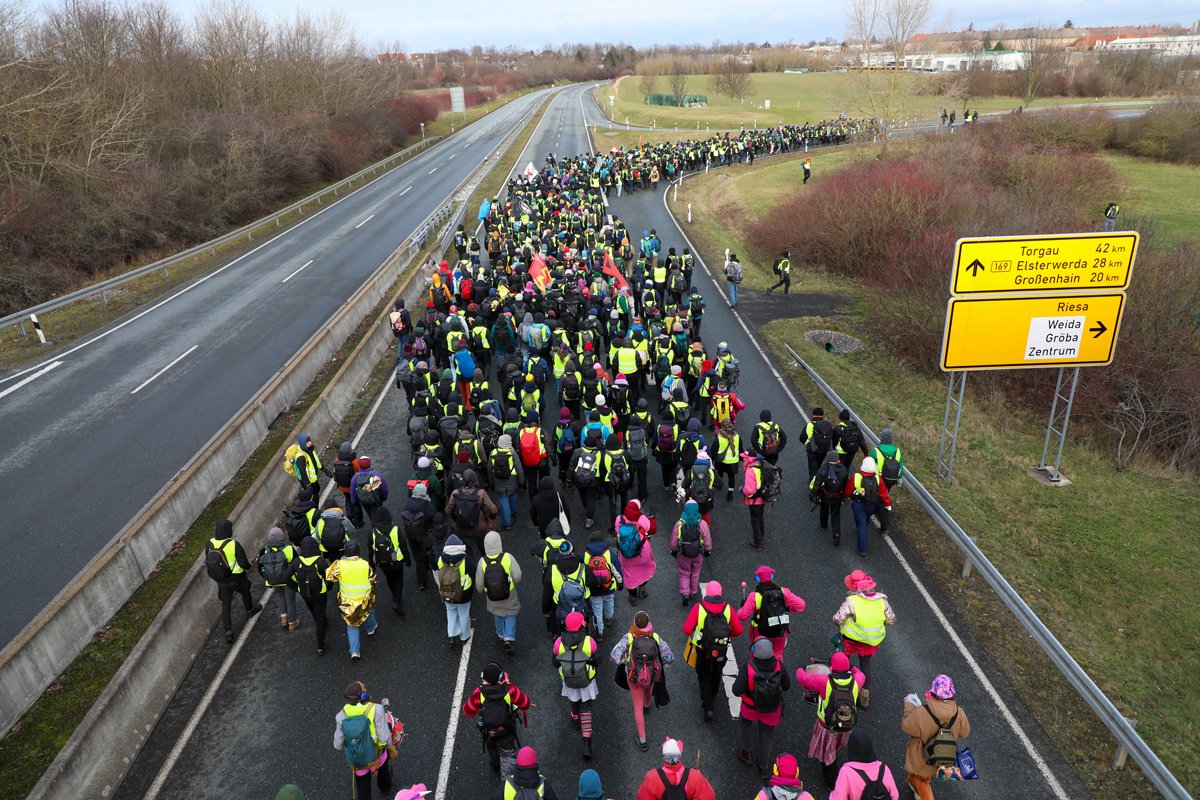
(998, 60)
(1166, 46)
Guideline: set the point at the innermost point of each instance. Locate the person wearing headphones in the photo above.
(363, 731)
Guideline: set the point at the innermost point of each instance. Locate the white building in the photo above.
(1169, 46)
(999, 60)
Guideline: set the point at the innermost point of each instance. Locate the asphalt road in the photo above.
(271, 721)
(97, 441)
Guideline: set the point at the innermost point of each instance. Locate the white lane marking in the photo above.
(297, 272)
(727, 678)
(364, 222)
(387, 384)
(433, 170)
(465, 146)
(452, 728)
(1036, 757)
(406, 191)
(159, 374)
(452, 155)
(30, 378)
(194, 722)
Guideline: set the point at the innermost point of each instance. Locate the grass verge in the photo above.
(1104, 562)
(37, 737)
(1164, 193)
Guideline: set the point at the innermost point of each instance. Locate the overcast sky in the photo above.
(529, 24)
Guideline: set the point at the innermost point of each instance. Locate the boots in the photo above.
(283, 623)
(293, 626)
(587, 748)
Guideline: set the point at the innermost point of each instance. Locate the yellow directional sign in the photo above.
(1065, 262)
(1028, 332)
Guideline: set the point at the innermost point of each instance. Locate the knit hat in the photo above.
(351, 548)
(424, 463)
(492, 673)
(310, 547)
(844, 415)
(419, 491)
(787, 771)
(712, 591)
(839, 662)
(504, 442)
(942, 688)
(354, 690)
(564, 413)
(762, 648)
(364, 462)
(454, 546)
(764, 573)
(632, 510)
(276, 536)
(672, 751)
(575, 621)
(885, 436)
(527, 757)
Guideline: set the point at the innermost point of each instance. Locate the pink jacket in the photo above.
(750, 485)
(705, 537)
(850, 784)
(815, 682)
(793, 601)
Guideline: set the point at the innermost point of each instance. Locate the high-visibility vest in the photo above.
(311, 465)
(229, 551)
(703, 615)
(557, 579)
(732, 448)
(365, 710)
(354, 579)
(510, 789)
(394, 537)
(660, 273)
(868, 625)
(824, 700)
(626, 358)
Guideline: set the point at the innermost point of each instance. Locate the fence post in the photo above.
(1122, 754)
(37, 327)
(966, 570)
(21, 328)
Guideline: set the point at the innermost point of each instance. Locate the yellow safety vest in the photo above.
(394, 537)
(365, 710)
(557, 579)
(626, 360)
(703, 615)
(480, 332)
(510, 789)
(586, 648)
(229, 552)
(868, 625)
(308, 562)
(354, 578)
(660, 273)
(311, 464)
(824, 700)
(732, 447)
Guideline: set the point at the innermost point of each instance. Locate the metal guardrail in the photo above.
(1113, 719)
(244, 232)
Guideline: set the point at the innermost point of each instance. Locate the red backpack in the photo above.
(531, 448)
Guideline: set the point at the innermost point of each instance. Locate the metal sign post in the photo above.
(1060, 417)
(949, 440)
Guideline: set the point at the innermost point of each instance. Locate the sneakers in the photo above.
(708, 715)
(641, 743)
(864, 699)
(729, 495)
(373, 631)
(589, 523)
(355, 656)
(508, 648)
(293, 626)
(687, 599)
(587, 748)
(837, 541)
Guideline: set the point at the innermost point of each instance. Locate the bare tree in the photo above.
(887, 95)
(730, 77)
(648, 84)
(677, 79)
(1037, 59)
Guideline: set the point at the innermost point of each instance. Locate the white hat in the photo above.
(672, 751)
(868, 464)
(599, 400)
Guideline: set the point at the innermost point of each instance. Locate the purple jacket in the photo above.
(362, 476)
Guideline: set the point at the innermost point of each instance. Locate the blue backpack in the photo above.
(629, 540)
(359, 744)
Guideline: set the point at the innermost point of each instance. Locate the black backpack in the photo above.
(309, 580)
(415, 525)
(833, 481)
(274, 565)
(689, 540)
(502, 465)
(332, 533)
(773, 619)
(367, 493)
(618, 473)
(496, 582)
(448, 429)
(672, 791)
(851, 439)
(873, 788)
(585, 468)
(466, 509)
(714, 637)
(383, 549)
(767, 692)
(822, 436)
(889, 469)
(496, 715)
(296, 525)
(343, 471)
(216, 565)
(840, 713)
(868, 486)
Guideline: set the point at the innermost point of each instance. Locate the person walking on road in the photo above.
(868, 496)
(755, 484)
(575, 655)
(890, 463)
(472, 511)
(848, 438)
(604, 580)
(760, 685)
(783, 266)
(344, 467)
(526, 780)
(768, 438)
(390, 554)
(934, 726)
(641, 657)
(547, 505)
(636, 556)
(276, 565)
(818, 440)
(727, 452)
(827, 489)
(589, 786)
(368, 489)
(863, 620)
(710, 627)
(356, 596)
(863, 767)
(673, 780)
(309, 578)
(305, 464)
(734, 274)
(507, 475)
(416, 519)
(784, 781)
(690, 544)
(455, 571)
(362, 731)
(494, 705)
(837, 699)
(768, 609)
(226, 562)
(496, 578)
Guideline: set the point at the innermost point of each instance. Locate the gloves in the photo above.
(707, 553)
(675, 554)
(889, 508)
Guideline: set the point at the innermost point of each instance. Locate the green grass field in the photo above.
(795, 99)
(1104, 562)
(1168, 194)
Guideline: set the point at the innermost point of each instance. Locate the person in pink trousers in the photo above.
(825, 743)
(769, 608)
(691, 543)
(636, 556)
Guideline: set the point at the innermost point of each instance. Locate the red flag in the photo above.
(610, 269)
(540, 273)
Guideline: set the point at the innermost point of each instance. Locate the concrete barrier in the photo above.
(104, 745)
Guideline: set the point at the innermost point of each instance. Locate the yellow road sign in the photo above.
(1030, 332)
(1065, 262)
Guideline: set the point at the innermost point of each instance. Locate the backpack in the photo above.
(770, 482)
(448, 428)
(571, 597)
(645, 666)
(942, 749)
(450, 585)
(822, 436)
(296, 525)
(417, 426)
(618, 473)
(733, 271)
(566, 440)
(415, 524)
(714, 637)
(216, 565)
(359, 744)
(502, 465)
(766, 688)
(331, 533)
(890, 471)
(770, 440)
(274, 566)
(840, 713)
(629, 540)
(466, 509)
(529, 402)
(772, 619)
(834, 482)
(601, 572)
(369, 492)
(488, 432)
(496, 582)
(697, 305)
(343, 472)
(868, 487)
(722, 407)
(383, 549)
(289, 460)
(466, 444)
(702, 485)
(873, 788)
(420, 348)
(531, 448)
(496, 715)
(635, 444)
(310, 583)
(851, 439)
(689, 540)
(573, 666)
(672, 791)
(415, 482)
(585, 468)
(571, 389)
(666, 438)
